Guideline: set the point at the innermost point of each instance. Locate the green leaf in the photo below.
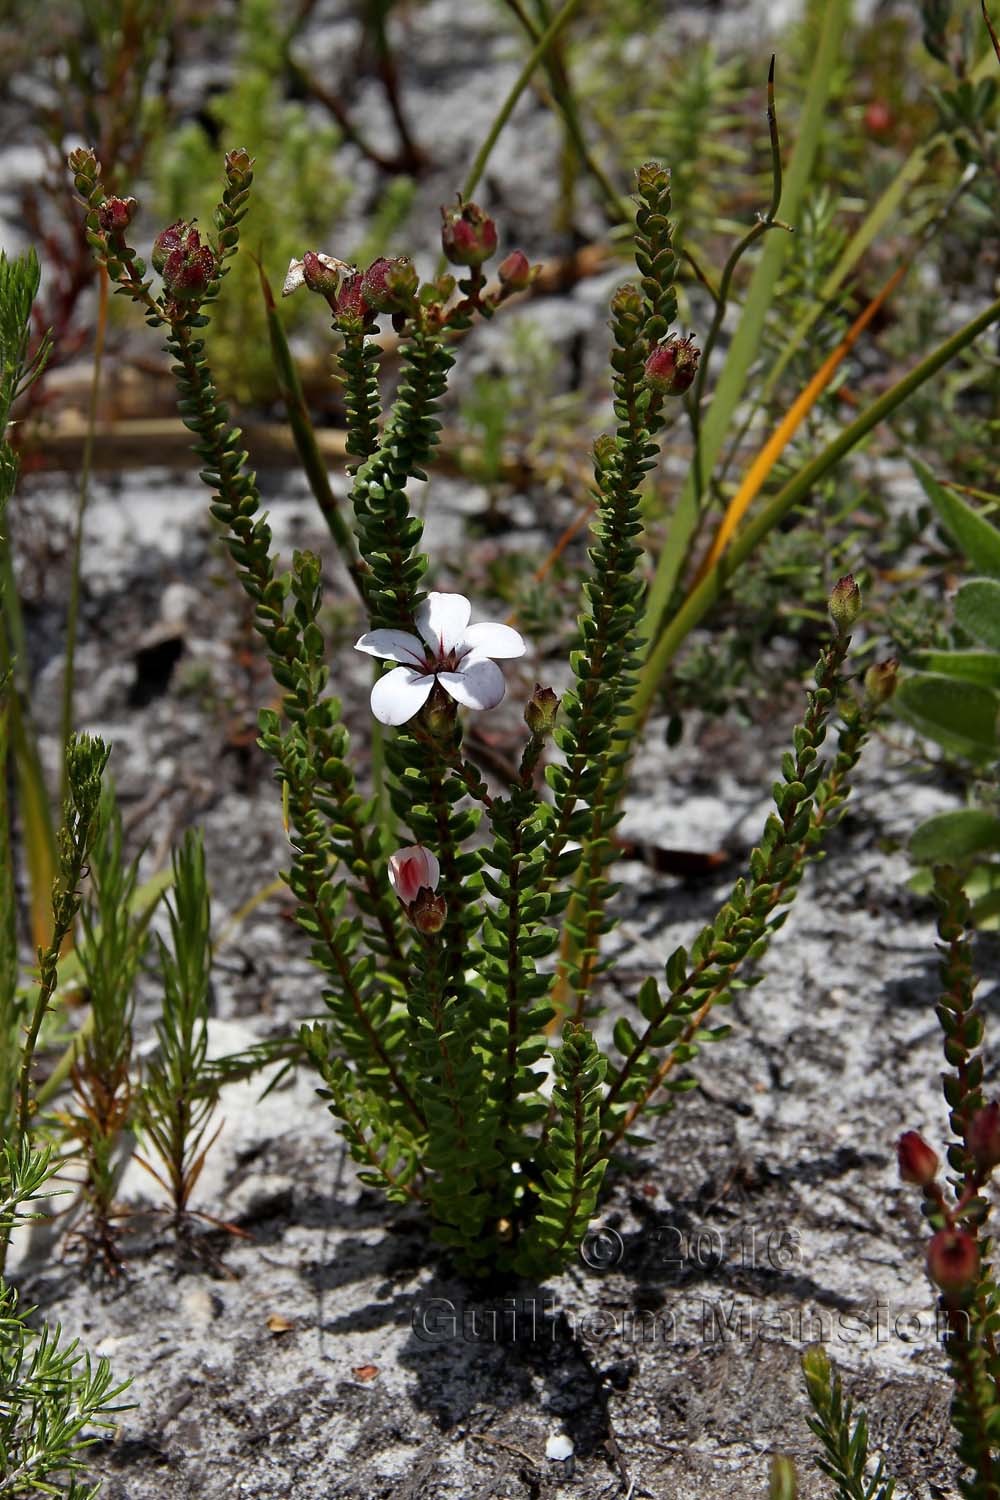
(954, 836)
(975, 536)
(960, 716)
(970, 666)
(977, 610)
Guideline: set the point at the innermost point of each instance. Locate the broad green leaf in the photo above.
(960, 716)
(955, 835)
(971, 666)
(978, 539)
(977, 610)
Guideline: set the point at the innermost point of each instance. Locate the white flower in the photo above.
(449, 651)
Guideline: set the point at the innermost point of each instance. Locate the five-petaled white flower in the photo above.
(449, 651)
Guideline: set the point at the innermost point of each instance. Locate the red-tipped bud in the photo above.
(468, 236)
(917, 1162)
(881, 681)
(167, 241)
(672, 366)
(516, 271)
(953, 1260)
(188, 270)
(844, 603)
(540, 710)
(983, 1138)
(116, 214)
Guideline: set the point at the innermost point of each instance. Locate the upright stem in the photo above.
(73, 607)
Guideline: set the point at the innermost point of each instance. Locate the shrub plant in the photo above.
(463, 1066)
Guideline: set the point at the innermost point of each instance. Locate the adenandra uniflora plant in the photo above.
(459, 1083)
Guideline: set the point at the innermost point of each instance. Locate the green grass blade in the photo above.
(746, 340)
(701, 599)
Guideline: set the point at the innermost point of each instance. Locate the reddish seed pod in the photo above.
(190, 268)
(167, 241)
(116, 214)
(515, 271)
(351, 298)
(983, 1138)
(672, 366)
(917, 1162)
(468, 236)
(953, 1260)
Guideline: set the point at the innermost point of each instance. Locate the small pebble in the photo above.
(559, 1447)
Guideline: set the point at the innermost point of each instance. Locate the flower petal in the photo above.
(442, 619)
(400, 694)
(411, 869)
(393, 645)
(478, 683)
(295, 277)
(490, 639)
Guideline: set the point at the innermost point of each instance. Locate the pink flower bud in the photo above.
(844, 603)
(917, 1162)
(983, 1138)
(672, 366)
(116, 214)
(412, 870)
(953, 1260)
(516, 271)
(190, 268)
(468, 236)
(166, 242)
